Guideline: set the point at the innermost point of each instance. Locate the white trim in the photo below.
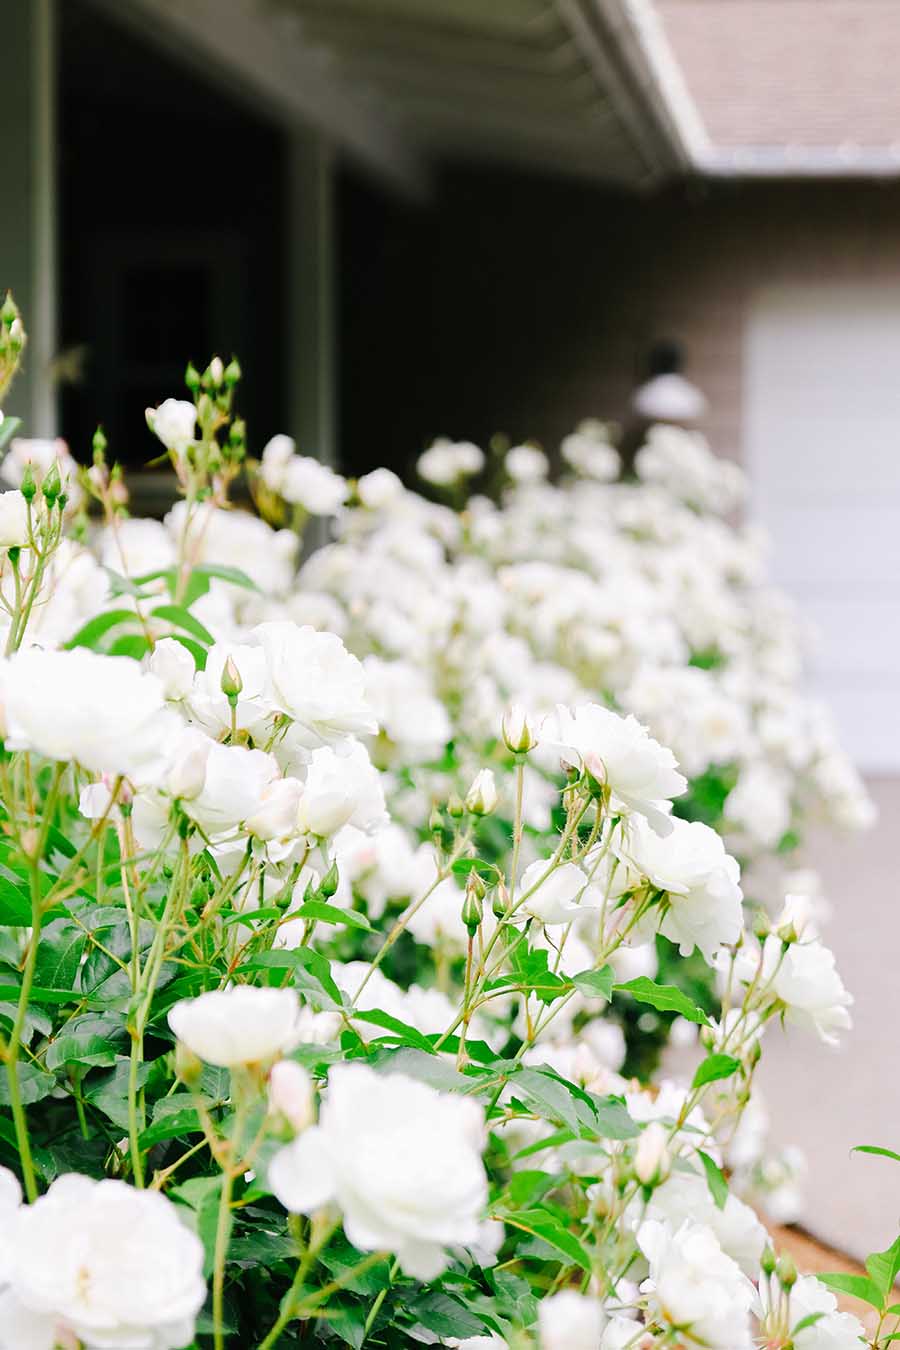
(667, 76)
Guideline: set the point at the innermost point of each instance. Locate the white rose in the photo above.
(291, 1094)
(526, 464)
(277, 814)
(695, 1287)
(174, 422)
(276, 455)
(10, 1200)
(103, 711)
(314, 680)
(342, 787)
(240, 1025)
(105, 1264)
(834, 1330)
(379, 489)
(186, 769)
(570, 1321)
(13, 520)
(447, 461)
(558, 899)
(701, 880)
(642, 774)
(172, 664)
(810, 987)
(234, 786)
(313, 485)
(402, 1162)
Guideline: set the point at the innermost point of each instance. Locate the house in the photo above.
(413, 217)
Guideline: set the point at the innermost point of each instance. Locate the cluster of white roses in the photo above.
(250, 734)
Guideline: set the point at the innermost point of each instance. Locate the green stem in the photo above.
(15, 1041)
(223, 1232)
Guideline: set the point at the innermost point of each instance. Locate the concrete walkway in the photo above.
(828, 1100)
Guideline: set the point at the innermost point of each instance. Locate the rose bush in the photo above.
(345, 913)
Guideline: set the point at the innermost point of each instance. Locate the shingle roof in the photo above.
(812, 76)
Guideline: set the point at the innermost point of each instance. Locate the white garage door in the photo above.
(822, 441)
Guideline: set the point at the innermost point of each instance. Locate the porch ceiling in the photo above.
(551, 85)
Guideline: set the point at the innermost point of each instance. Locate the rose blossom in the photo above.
(239, 1025)
(103, 1263)
(617, 751)
(103, 711)
(402, 1161)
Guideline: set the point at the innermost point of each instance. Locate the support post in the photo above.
(28, 263)
(311, 338)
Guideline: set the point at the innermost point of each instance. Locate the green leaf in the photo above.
(15, 905)
(547, 1097)
(663, 997)
(9, 427)
(325, 913)
(613, 1120)
(109, 1094)
(89, 634)
(34, 1085)
(715, 1067)
(883, 1267)
(718, 1186)
(133, 645)
(444, 1315)
(873, 1148)
(183, 618)
(809, 1320)
(201, 1194)
(541, 1224)
(860, 1286)
(87, 1049)
(531, 973)
(595, 983)
(435, 1070)
(407, 1034)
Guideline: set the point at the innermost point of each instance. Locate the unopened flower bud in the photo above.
(518, 735)
(17, 335)
(232, 372)
(472, 909)
(9, 310)
(436, 821)
(481, 797)
(500, 901)
(52, 484)
(192, 377)
(188, 1067)
(215, 372)
(231, 683)
(788, 934)
(455, 807)
(204, 407)
(762, 926)
(28, 486)
(291, 1094)
(786, 1271)
(652, 1161)
(767, 1261)
(329, 883)
(98, 446)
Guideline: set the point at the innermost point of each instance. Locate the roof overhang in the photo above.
(561, 86)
